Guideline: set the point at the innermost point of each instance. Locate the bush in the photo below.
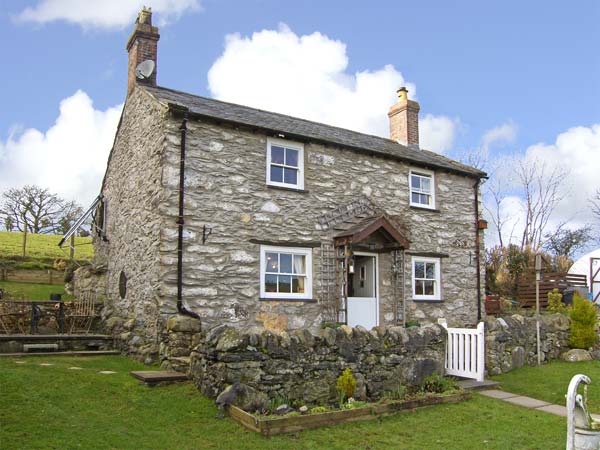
(346, 385)
(583, 316)
(437, 384)
(555, 303)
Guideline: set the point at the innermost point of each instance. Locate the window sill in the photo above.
(296, 300)
(425, 208)
(284, 188)
(428, 300)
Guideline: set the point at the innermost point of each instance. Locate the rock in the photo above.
(282, 409)
(518, 357)
(595, 354)
(183, 323)
(242, 396)
(575, 355)
(113, 323)
(303, 409)
(230, 339)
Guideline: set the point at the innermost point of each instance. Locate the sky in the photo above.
(508, 79)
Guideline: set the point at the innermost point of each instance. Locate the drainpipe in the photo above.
(477, 245)
(180, 222)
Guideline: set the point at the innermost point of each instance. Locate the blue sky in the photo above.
(503, 76)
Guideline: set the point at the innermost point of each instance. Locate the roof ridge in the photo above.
(277, 113)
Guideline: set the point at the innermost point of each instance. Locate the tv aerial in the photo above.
(144, 69)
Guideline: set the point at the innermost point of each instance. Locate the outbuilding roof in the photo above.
(294, 127)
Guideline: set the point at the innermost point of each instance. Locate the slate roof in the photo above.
(295, 127)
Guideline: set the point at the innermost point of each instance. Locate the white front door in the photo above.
(363, 304)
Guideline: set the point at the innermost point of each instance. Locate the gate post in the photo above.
(480, 351)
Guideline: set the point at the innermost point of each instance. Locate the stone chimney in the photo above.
(142, 45)
(404, 120)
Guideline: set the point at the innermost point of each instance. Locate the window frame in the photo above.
(422, 173)
(293, 146)
(437, 291)
(308, 283)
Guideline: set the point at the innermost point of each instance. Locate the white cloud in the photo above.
(306, 76)
(436, 133)
(502, 134)
(104, 13)
(575, 152)
(69, 158)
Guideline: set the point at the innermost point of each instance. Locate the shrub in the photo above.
(396, 394)
(346, 385)
(555, 303)
(437, 384)
(583, 315)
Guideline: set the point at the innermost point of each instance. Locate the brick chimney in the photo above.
(142, 45)
(404, 120)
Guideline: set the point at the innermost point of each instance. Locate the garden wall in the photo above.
(510, 342)
(33, 276)
(305, 367)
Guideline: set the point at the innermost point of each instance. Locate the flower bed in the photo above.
(270, 425)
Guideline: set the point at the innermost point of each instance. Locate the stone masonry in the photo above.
(304, 367)
(225, 190)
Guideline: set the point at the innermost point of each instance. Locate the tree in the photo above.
(541, 187)
(32, 209)
(566, 242)
(595, 201)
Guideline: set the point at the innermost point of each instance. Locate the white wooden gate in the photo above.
(465, 352)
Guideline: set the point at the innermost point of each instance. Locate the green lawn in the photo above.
(550, 381)
(42, 249)
(32, 291)
(52, 407)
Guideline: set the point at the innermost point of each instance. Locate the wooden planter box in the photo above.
(270, 426)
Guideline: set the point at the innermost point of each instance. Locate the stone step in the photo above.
(54, 337)
(40, 347)
(158, 376)
(475, 385)
(65, 353)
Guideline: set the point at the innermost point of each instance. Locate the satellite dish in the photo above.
(144, 69)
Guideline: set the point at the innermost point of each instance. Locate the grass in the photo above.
(31, 291)
(54, 407)
(550, 381)
(42, 249)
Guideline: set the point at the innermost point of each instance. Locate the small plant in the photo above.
(277, 401)
(346, 385)
(412, 323)
(396, 394)
(584, 315)
(319, 409)
(555, 304)
(437, 384)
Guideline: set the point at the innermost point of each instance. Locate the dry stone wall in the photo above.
(303, 366)
(511, 341)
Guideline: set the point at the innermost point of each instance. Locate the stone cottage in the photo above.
(214, 213)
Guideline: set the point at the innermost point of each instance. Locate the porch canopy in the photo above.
(375, 233)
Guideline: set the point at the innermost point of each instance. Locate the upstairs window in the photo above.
(426, 278)
(285, 164)
(422, 192)
(286, 272)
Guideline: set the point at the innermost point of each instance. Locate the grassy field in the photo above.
(42, 249)
(31, 291)
(48, 407)
(550, 382)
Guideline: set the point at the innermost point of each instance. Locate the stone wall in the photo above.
(182, 334)
(132, 191)
(510, 342)
(302, 366)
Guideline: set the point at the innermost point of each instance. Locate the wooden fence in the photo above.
(549, 281)
(33, 276)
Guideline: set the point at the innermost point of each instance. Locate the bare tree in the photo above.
(496, 196)
(32, 209)
(595, 201)
(566, 242)
(541, 187)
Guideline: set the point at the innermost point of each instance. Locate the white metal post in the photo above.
(538, 269)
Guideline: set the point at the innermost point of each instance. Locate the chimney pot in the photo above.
(404, 120)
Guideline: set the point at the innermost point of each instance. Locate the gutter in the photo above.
(180, 221)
